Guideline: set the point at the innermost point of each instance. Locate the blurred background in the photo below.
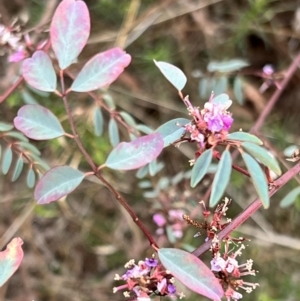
(74, 247)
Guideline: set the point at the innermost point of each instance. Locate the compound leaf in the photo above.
(173, 74)
(192, 272)
(262, 155)
(221, 178)
(38, 123)
(10, 259)
(69, 31)
(56, 183)
(201, 166)
(101, 70)
(172, 130)
(135, 154)
(38, 72)
(259, 179)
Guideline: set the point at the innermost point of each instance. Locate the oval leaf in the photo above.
(30, 178)
(238, 90)
(101, 70)
(262, 155)
(290, 198)
(172, 130)
(227, 66)
(56, 183)
(173, 74)
(6, 161)
(221, 178)
(192, 272)
(10, 259)
(38, 72)
(113, 132)
(38, 123)
(69, 31)
(98, 122)
(245, 137)
(17, 135)
(135, 154)
(201, 166)
(18, 169)
(5, 126)
(259, 179)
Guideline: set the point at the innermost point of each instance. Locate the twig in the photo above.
(11, 89)
(97, 172)
(242, 217)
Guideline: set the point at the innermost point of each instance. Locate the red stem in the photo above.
(97, 172)
(243, 216)
(11, 89)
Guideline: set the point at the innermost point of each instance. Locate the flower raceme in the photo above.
(212, 121)
(146, 278)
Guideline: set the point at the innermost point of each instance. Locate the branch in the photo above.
(242, 217)
(11, 89)
(97, 172)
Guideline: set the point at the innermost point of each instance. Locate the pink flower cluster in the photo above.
(145, 279)
(10, 38)
(213, 119)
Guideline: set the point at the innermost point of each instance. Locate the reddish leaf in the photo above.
(192, 272)
(10, 259)
(101, 70)
(134, 154)
(56, 183)
(69, 31)
(38, 72)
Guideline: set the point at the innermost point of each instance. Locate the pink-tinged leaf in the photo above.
(101, 70)
(38, 123)
(69, 31)
(192, 272)
(56, 183)
(10, 259)
(38, 72)
(137, 153)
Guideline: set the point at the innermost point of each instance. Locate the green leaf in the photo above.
(18, 169)
(221, 178)
(173, 74)
(29, 147)
(109, 101)
(128, 118)
(227, 66)
(262, 155)
(28, 98)
(238, 90)
(38, 123)
(221, 85)
(259, 179)
(30, 180)
(172, 130)
(135, 154)
(10, 259)
(144, 129)
(142, 172)
(5, 126)
(56, 183)
(7, 159)
(152, 168)
(245, 137)
(113, 132)
(290, 198)
(191, 272)
(201, 166)
(38, 72)
(17, 135)
(98, 122)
